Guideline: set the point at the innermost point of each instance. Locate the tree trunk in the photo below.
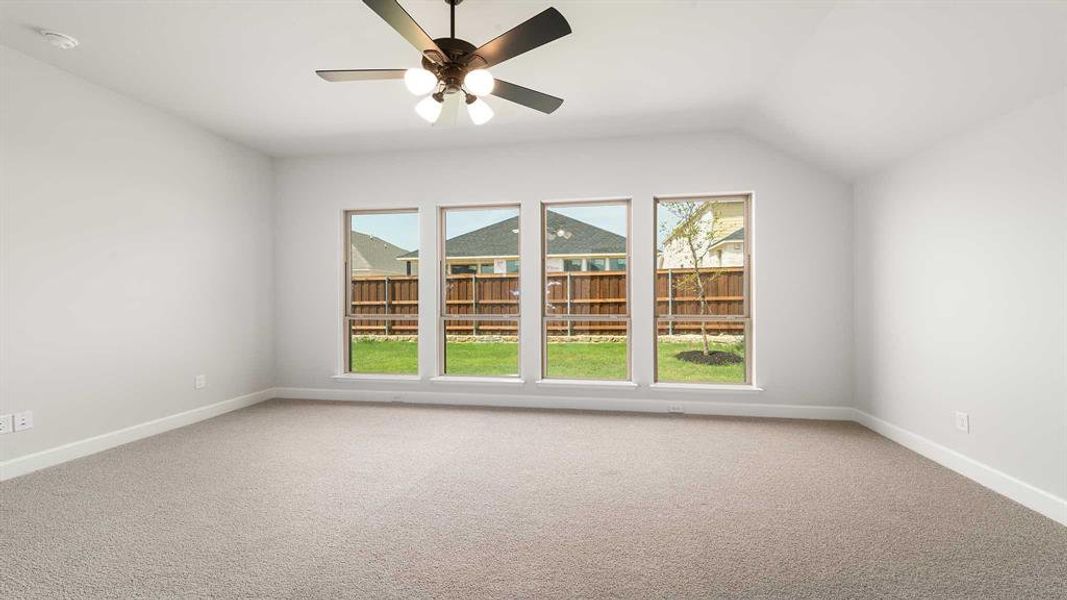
(700, 294)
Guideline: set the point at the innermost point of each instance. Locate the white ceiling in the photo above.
(848, 85)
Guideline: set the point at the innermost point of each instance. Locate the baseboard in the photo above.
(601, 403)
(67, 452)
(1034, 498)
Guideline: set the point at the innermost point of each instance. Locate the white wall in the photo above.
(948, 320)
(802, 308)
(136, 252)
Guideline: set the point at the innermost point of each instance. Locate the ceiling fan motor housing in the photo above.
(456, 64)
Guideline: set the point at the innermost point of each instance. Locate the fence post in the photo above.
(474, 301)
(570, 295)
(670, 301)
(388, 303)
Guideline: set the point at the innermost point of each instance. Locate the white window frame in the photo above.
(349, 316)
(746, 317)
(627, 317)
(442, 292)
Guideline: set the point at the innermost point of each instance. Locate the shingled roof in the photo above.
(375, 254)
(736, 236)
(500, 239)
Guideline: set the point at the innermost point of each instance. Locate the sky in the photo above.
(399, 229)
(611, 217)
(402, 229)
(667, 221)
(458, 222)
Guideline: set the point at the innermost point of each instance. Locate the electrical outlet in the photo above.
(200, 382)
(23, 420)
(963, 422)
(7, 424)
(675, 408)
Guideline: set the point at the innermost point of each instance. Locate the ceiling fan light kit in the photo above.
(479, 110)
(455, 66)
(420, 81)
(429, 108)
(479, 82)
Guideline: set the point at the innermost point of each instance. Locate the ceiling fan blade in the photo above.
(536, 31)
(526, 97)
(361, 74)
(401, 21)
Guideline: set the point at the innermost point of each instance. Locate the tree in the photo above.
(698, 226)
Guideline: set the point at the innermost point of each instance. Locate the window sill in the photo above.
(705, 387)
(629, 385)
(374, 377)
(466, 380)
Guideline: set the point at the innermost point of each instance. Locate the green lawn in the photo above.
(392, 358)
(578, 360)
(566, 360)
(673, 370)
(497, 359)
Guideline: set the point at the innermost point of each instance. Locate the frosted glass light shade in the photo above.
(479, 82)
(420, 81)
(479, 111)
(428, 109)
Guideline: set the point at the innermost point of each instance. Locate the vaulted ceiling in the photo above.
(850, 86)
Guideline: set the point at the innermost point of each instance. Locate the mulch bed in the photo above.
(715, 357)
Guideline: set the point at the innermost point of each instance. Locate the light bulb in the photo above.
(420, 81)
(479, 82)
(428, 108)
(479, 111)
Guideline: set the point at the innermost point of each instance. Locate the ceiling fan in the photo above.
(453, 66)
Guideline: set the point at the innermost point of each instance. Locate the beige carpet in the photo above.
(292, 499)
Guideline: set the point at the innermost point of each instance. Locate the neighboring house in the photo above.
(721, 245)
(375, 256)
(573, 245)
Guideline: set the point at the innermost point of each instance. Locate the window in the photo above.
(462, 269)
(483, 269)
(586, 312)
(703, 320)
(616, 264)
(382, 313)
(479, 310)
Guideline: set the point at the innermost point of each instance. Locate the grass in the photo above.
(566, 360)
(673, 370)
(582, 360)
(496, 359)
(391, 358)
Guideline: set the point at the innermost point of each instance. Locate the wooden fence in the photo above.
(573, 293)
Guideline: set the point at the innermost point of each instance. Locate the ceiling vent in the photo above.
(59, 40)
